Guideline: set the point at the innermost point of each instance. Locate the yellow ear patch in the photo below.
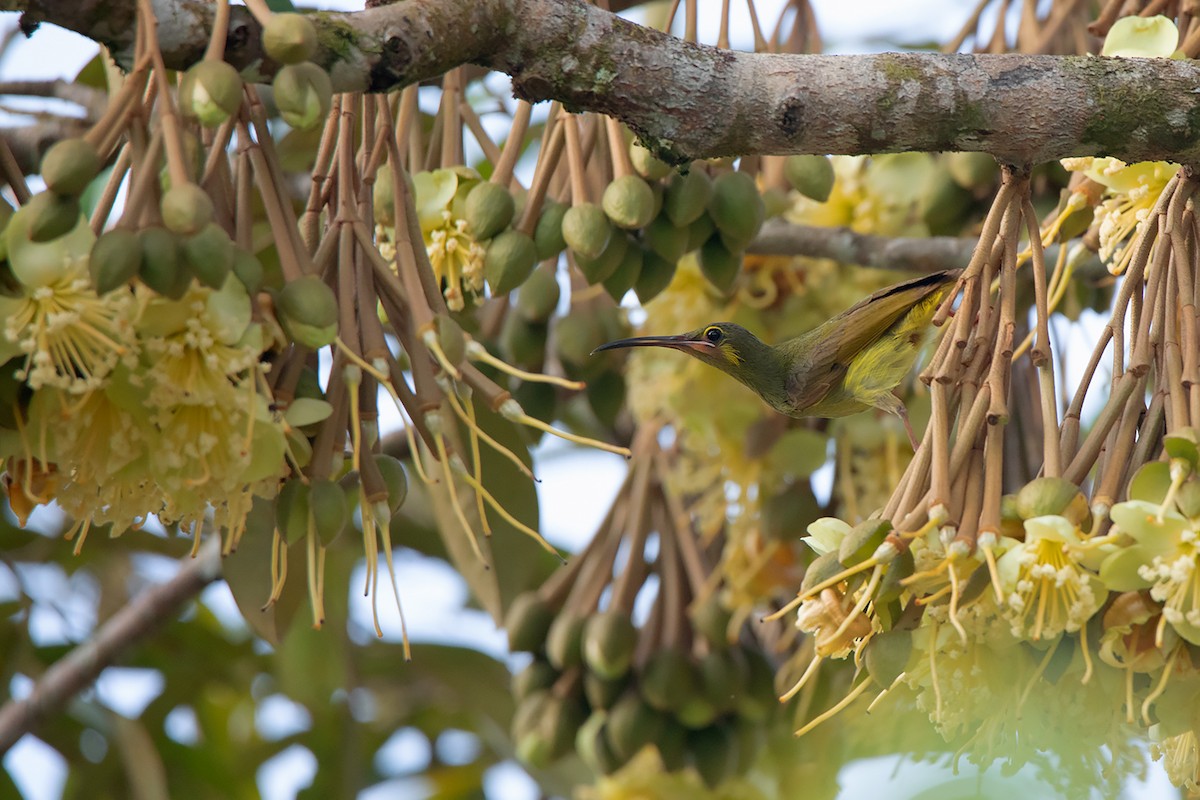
(730, 353)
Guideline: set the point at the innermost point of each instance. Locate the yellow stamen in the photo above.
(864, 598)
(385, 532)
(989, 555)
(842, 704)
(954, 590)
(513, 412)
(444, 461)
(509, 518)
(1087, 657)
(1159, 688)
(429, 338)
(481, 433)
(886, 691)
(809, 672)
(477, 352)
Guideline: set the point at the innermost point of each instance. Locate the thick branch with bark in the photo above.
(691, 101)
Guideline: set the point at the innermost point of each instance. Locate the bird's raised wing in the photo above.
(822, 356)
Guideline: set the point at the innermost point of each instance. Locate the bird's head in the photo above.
(724, 345)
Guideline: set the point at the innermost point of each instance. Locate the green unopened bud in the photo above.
(211, 91)
(489, 209)
(510, 258)
(687, 196)
(292, 509)
(70, 165)
(308, 311)
(329, 508)
(720, 266)
(629, 202)
(737, 208)
(115, 260)
(811, 176)
(186, 209)
(586, 230)
(539, 296)
(647, 164)
(210, 255)
(51, 215)
(601, 268)
(35, 263)
(394, 478)
(248, 269)
(655, 276)
(303, 93)
(162, 267)
(548, 235)
(289, 38)
(666, 239)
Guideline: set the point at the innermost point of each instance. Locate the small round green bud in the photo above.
(115, 260)
(289, 38)
(303, 93)
(308, 311)
(70, 165)
(211, 91)
(186, 209)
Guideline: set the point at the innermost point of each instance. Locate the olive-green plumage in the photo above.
(846, 365)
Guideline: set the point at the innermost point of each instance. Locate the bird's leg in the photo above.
(894, 405)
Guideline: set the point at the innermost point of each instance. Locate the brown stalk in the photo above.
(548, 156)
(514, 145)
(1042, 354)
(1071, 419)
(1172, 355)
(108, 198)
(311, 217)
(1117, 458)
(1085, 458)
(968, 29)
(618, 152)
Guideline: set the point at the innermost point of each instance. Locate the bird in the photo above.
(846, 365)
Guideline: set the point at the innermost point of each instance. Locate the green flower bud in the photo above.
(629, 202)
(308, 311)
(115, 260)
(586, 230)
(186, 209)
(488, 210)
(69, 166)
(210, 255)
(303, 93)
(211, 91)
(811, 176)
(289, 38)
(162, 267)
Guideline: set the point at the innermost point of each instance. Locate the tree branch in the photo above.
(917, 254)
(691, 101)
(79, 668)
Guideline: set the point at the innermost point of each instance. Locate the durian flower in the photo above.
(71, 337)
(1047, 590)
(1130, 193)
(1166, 553)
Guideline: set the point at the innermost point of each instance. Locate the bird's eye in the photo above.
(713, 335)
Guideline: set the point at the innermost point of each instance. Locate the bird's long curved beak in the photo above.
(677, 342)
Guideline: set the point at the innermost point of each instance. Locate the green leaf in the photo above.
(1151, 482)
(799, 452)
(248, 573)
(307, 411)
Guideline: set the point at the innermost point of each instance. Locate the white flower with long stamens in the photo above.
(1047, 591)
(71, 337)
